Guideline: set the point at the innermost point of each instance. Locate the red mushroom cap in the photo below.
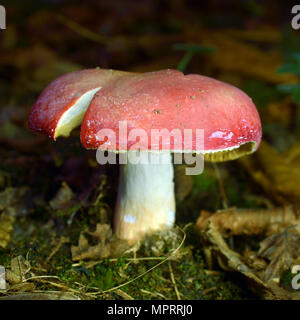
(168, 99)
(62, 94)
(160, 100)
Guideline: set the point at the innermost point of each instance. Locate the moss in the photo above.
(286, 280)
(36, 233)
(188, 269)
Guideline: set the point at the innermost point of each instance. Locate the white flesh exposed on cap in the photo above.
(73, 117)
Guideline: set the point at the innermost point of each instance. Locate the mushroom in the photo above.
(130, 106)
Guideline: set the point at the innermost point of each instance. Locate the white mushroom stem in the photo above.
(146, 200)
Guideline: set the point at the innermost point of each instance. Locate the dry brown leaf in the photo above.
(281, 250)
(274, 173)
(103, 232)
(256, 62)
(99, 251)
(9, 203)
(19, 267)
(280, 111)
(266, 35)
(11, 197)
(277, 253)
(63, 198)
(233, 261)
(42, 296)
(6, 228)
(253, 261)
(107, 245)
(22, 287)
(292, 155)
(249, 222)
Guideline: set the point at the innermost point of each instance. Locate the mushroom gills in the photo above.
(73, 117)
(231, 153)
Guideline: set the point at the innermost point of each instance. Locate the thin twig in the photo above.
(174, 282)
(62, 240)
(209, 290)
(117, 259)
(64, 287)
(82, 31)
(40, 277)
(123, 294)
(154, 294)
